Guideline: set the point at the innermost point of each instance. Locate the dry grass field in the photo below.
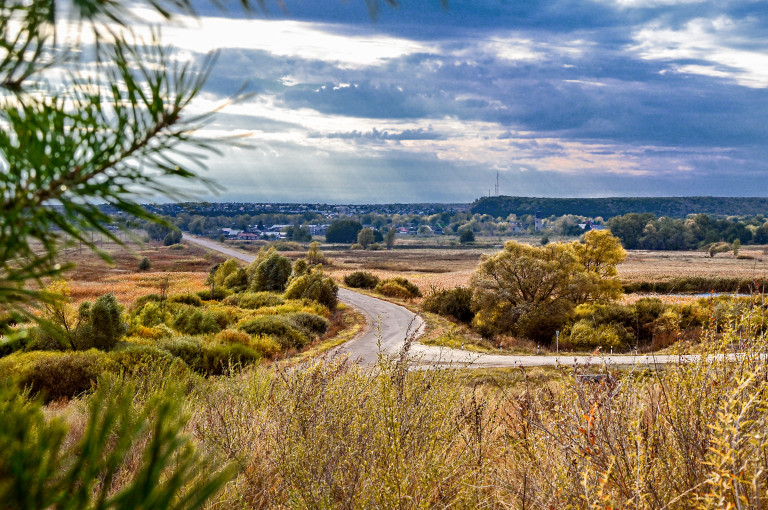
(663, 265)
(184, 270)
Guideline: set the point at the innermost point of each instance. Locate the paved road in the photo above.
(388, 325)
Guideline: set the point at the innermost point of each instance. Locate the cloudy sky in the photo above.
(560, 97)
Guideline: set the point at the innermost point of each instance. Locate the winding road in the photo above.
(389, 325)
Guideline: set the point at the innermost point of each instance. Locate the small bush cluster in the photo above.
(361, 280)
(56, 375)
(217, 295)
(456, 303)
(186, 299)
(287, 334)
(314, 286)
(192, 321)
(398, 287)
(254, 300)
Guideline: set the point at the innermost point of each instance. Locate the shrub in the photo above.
(213, 359)
(466, 236)
(101, 324)
(152, 314)
(357, 246)
(286, 246)
(186, 299)
(217, 295)
(279, 327)
(316, 287)
(375, 247)
(233, 336)
(361, 280)
(716, 248)
(145, 264)
(398, 287)
(224, 315)
(315, 255)
(56, 375)
(456, 303)
(177, 247)
(237, 281)
(172, 237)
(141, 359)
(254, 300)
(271, 274)
(142, 300)
(151, 333)
(311, 324)
(9, 346)
(192, 321)
(585, 336)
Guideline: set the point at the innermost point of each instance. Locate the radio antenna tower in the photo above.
(497, 184)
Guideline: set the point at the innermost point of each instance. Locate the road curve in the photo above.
(388, 325)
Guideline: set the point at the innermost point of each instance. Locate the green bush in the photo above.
(278, 327)
(151, 314)
(361, 280)
(254, 300)
(172, 237)
(311, 324)
(456, 303)
(584, 335)
(143, 300)
(217, 295)
(271, 274)
(316, 287)
(186, 299)
(141, 359)
(145, 264)
(9, 346)
(192, 321)
(237, 281)
(213, 359)
(101, 324)
(56, 375)
(398, 287)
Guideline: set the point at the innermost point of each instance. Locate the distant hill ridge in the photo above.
(674, 207)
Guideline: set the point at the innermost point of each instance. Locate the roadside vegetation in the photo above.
(337, 435)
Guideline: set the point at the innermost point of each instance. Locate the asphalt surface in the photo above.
(389, 325)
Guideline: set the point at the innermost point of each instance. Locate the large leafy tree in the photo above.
(530, 290)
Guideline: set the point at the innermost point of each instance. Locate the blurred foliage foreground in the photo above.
(331, 434)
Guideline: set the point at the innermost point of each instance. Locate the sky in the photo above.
(429, 103)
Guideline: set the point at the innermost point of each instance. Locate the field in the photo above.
(183, 268)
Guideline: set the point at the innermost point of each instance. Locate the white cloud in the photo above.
(291, 39)
(724, 43)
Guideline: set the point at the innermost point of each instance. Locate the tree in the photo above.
(531, 290)
(315, 255)
(598, 255)
(389, 239)
(298, 233)
(365, 237)
(343, 231)
(272, 273)
(172, 237)
(466, 236)
(145, 264)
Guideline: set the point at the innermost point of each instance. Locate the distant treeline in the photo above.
(673, 207)
(646, 232)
